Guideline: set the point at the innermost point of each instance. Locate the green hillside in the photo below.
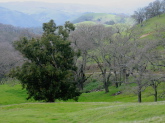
(152, 25)
(85, 22)
(104, 18)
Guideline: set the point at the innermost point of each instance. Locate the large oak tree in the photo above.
(48, 72)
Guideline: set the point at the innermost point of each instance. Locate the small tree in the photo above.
(48, 73)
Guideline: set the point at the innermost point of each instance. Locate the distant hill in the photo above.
(33, 14)
(43, 12)
(16, 18)
(104, 18)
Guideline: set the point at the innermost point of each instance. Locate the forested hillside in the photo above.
(9, 57)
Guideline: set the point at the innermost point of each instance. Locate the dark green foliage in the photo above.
(93, 85)
(110, 22)
(48, 73)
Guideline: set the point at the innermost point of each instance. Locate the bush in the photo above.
(93, 85)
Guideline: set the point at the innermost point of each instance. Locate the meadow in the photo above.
(94, 107)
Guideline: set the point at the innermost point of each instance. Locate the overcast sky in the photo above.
(123, 5)
(99, 2)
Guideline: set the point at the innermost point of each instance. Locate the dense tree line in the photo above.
(121, 58)
(155, 8)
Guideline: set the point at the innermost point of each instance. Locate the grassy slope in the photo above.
(15, 95)
(12, 95)
(95, 107)
(86, 22)
(102, 17)
(100, 112)
(150, 25)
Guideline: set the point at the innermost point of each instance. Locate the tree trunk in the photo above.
(124, 75)
(120, 78)
(80, 85)
(155, 94)
(139, 97)
(50, 99)
(106, 87)
(116, 83)
(105, 82)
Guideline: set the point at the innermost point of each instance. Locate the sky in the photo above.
(97, 2)
(127, 6)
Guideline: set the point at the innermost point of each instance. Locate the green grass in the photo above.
(12, 94)
(95, 107)
(150, 25)
(92, 112)
(15, 95)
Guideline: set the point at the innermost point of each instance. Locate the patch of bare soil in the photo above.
(145, 35)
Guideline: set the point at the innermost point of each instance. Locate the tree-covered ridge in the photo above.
(9, 57)
(155, 8)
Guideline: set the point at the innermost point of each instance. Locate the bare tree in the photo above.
(144, 54)
(9, 58)
(163, 6)
(155, 79)
(82, 41)
(157, 8)
(102, 38)
(139, 16)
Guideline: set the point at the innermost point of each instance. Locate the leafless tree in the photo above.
(154, 80)
(81, 41)
(155, 8)
(9, 58)
(139, 15)
(163, 6)
(144, 55)
(102, 38)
